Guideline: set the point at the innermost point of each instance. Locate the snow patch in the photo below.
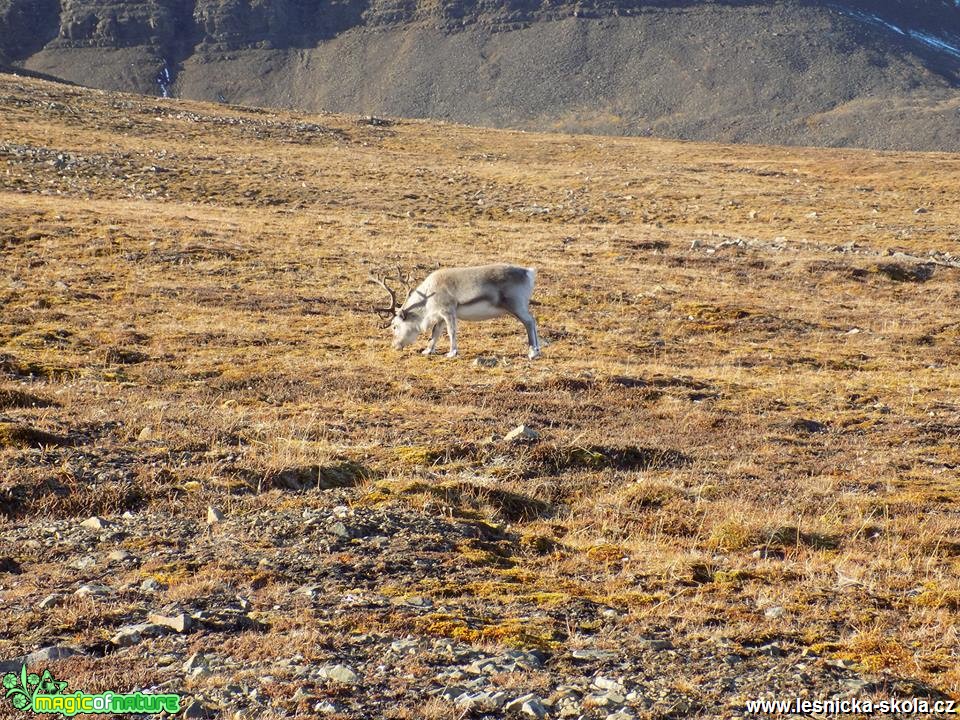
(949, 45)
(165, 80)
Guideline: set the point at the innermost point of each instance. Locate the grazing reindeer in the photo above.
(470, 293)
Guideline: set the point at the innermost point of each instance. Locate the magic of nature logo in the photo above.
(42, 693)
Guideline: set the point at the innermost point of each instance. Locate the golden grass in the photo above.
(186, 293)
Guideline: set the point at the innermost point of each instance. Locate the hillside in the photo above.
(745, 477)
(871, 74)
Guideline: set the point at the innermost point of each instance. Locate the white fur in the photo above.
(471, 294)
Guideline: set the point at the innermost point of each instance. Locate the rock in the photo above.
(530, 705)
(482, 701)
(484, 666)
(604, 699)
(50, 601)
(773, 650)
(118, 556)
(658, 644)
(775, 612)
(418, 601)
(325, 707)
(146, 434)
(196, 666)
(195, 711)
(83, 563)
(95, 523)
(522, 433)
(134, 634)
(452, 693)
(340, 530)
(486, 362)
(38, 657)
(213, 515)
(93, 590)
(534, 708)
(605, 683)
(587, 654)
(178, 623)
(151, 585)
(340, 673)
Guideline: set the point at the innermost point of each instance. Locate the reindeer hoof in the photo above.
(534, 353)
(427, 351)
(452, 353)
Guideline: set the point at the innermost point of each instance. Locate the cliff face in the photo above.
(877, 74)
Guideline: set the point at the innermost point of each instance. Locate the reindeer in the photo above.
(470, 293)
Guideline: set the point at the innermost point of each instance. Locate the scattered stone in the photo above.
(196, 666)
(134, 634)
(522, 433)
(146, 435)
(486, 362)
(51, 600)
(95, 523)
(151, 585)
(118, 556)
(452, 693)
(84, 562)
(339, 673)
(774, 613)
(178, 623)
(340, 530)
(417, 601)
(38, 657)
(605, 683)
(587, 654)
(325, 707)
(658, 644)
(482, 701)
(530, 705)
(773, 650)
(195, 711)
(93, 591)
(213, 515)
(534, 708)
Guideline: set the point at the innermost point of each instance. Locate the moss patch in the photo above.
(16, 435)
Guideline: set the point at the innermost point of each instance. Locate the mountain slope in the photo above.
(880, 75)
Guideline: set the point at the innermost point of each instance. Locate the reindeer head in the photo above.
(405, 323)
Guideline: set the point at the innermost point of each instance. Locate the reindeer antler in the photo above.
(405, 279)
(386, 311)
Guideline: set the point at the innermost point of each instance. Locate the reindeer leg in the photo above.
(522, 313)
(434, 337)
(451, 321)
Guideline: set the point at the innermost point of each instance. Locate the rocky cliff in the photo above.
(878, 74)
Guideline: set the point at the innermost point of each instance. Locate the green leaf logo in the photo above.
(23, 688)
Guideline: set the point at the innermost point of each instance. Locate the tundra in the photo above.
(468, 293)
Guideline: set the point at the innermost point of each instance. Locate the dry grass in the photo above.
(184, 308)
